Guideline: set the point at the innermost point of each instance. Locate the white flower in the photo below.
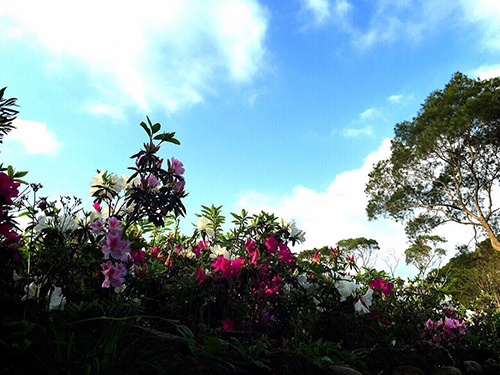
(310, 288)
(294, 231)
(346, 289)
(365, 301)
(217, 250)
(41, 224)
(32, 291)
(203, 226)
(57, 300)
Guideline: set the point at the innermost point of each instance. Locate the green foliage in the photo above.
(445, 163)
(7, 114)
(474, 278)
(362, 248)
(424, 252)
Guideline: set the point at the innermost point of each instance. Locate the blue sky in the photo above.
(279, 105)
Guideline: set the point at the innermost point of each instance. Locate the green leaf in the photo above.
(167, 137)
(156, 127)
(145, 127)
(138, 245)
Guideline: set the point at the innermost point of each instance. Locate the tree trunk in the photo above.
(495, 243)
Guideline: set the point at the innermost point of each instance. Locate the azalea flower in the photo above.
(113, 274)
(57, 300)
(203, 226)
(175, 166)
(217, 250)
(346, 289)
(227, 325)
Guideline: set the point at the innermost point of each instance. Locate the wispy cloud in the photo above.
(356, 132)
(35, 136)
(171, 54)
(395, 98)
(485, 14)
(314, 13)
(114, 112)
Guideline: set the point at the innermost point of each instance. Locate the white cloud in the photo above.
(114, 112)
(486, 15)
(395, 98)
(369, 113)
(487, 72)
(339, 213)
(35, 136)
(357, 132)
(171, 54)
(319, 10)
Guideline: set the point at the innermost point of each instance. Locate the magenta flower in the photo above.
(271, 244)
(8, 188)
(316, 257)
(113, 274)
(200, 275)
(285, 254)
(175, 166)
(223, 265)
(97, 207)
(138, 256)
(227, 325)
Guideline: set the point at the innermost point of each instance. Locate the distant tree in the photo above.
(424, 253)
(325, 253)
(7, 114)
(392, 262)
(474, 277)
(445, 163)
(362, 248)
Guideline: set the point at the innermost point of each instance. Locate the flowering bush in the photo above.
(126, 259)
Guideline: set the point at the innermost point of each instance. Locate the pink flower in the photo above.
(113, 274)
(114, 224)
(227, 325)
(179, 185)
(97, 207)
(175, 166)
(429, 324)
(116, 247)
(97, 227)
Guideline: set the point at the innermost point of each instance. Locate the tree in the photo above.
(424, 253)
(474, 277)
(444, 164)
(7, 114)
(362, 248)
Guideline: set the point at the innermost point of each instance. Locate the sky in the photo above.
(281, 106)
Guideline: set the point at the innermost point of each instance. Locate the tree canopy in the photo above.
(362, 248)
(444, 164)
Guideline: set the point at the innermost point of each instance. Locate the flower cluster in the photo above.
(8, 191)
(447, 329)
(113, 246)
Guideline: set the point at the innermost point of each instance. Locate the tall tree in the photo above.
(362, 248)
(424, 253)
(445, 163)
